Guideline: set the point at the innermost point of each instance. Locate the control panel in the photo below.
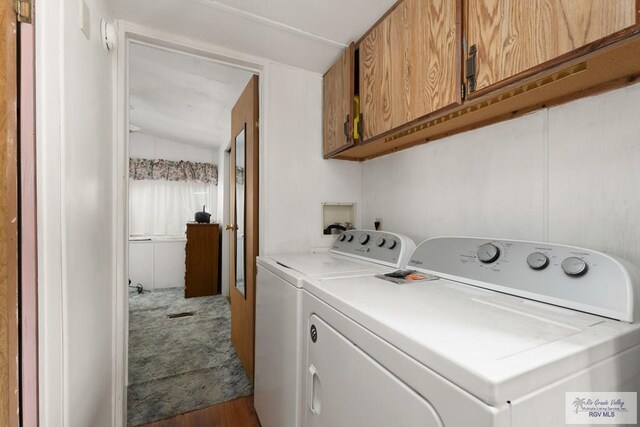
(566, 276)
(377, 246)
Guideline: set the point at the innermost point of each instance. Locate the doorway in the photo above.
(178, 312)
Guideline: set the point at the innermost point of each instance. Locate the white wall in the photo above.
(75, 144)
(567, 174)
(153, 147)
(295, 179)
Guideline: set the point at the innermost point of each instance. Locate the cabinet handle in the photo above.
(346, 128)
(471, 67)
(313, 390)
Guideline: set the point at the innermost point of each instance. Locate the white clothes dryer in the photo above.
(505, 337)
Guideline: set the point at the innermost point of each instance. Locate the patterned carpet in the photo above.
(181, 364)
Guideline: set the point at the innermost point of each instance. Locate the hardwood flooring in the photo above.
(234, 413)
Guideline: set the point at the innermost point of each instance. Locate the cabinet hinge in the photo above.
(463, 91)
(471, 67)
(23, 10)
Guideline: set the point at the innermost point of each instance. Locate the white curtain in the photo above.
(162, 208)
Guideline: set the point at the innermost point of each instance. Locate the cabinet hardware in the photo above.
(360, 126)
(22, 8)
(345, 128)
(471, 67)
(463, 91)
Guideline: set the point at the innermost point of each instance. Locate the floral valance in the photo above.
(169, 170)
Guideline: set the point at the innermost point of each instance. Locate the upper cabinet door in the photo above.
(514, 36)
(338, 94)
(410, 65)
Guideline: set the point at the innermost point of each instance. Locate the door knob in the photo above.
(229, 227)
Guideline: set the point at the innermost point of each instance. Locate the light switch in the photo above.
(85, 19)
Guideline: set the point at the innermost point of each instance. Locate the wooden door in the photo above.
(244, 230)
(9, 400)
(515, 36)
(410, 65)
(338, 92)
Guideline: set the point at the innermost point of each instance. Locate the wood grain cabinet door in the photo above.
(338, 105)
(410, 65)
(516, 36)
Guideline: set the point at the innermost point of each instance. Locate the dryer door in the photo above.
(347, 388)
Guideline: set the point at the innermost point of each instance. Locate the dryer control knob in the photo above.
(342, 237)
(392, 244)
(488, 253)
(350, 238)
(537, 261)
(364, 239)
(380, 241)
(574, 266)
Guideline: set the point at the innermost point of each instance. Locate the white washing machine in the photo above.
(508, 333)
(279, 321)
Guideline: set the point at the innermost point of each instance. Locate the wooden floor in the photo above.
(234, 413)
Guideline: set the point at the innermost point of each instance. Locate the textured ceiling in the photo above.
(305, 33)
(182, 97)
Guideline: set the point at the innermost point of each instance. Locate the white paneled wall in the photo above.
(153, 147)
(567, 174)
(76, 224)
(469, 184)
(295, 179)
(594, 173)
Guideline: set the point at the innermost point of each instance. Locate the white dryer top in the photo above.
(497, 347)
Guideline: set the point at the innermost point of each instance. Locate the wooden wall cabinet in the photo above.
(202, 260)
(422, 73)
(409, 65)
(512, 37)
(338, 91)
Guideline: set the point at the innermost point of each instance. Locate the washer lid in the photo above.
(293, 268)
(495, 346)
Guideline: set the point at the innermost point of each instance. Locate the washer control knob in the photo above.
(488, 253)
(350, 238)
(537, 261)
(380, 241)
(391, 244)
(342, 237)
(364, 239)
(574, 266)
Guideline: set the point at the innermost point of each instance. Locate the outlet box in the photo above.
(336, 213)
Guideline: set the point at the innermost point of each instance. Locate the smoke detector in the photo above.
(108, 34)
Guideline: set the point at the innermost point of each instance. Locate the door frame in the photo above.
(225, 219)
(133, 33)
